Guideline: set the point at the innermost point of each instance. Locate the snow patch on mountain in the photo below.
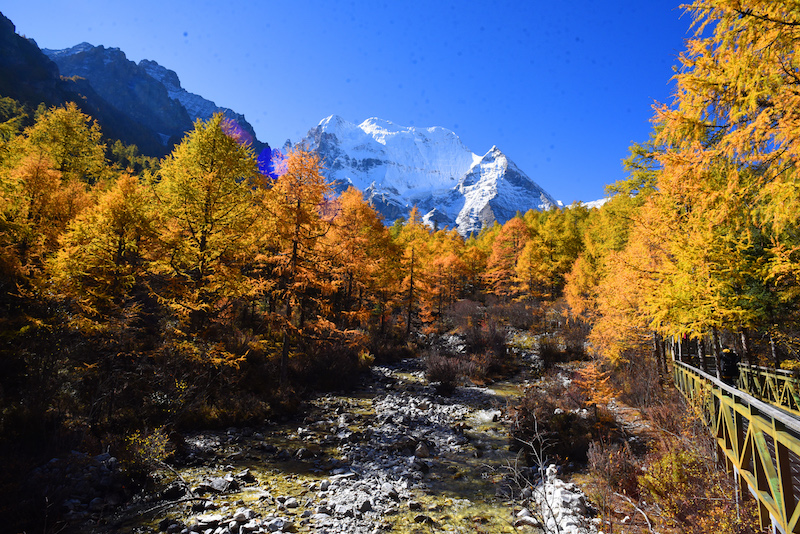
(400, 167)
(596, 203)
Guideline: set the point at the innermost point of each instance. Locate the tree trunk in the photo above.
(776, 358)
(657, 357)
(410, 296)
(745, 346)
(701, 353)
(284, 360)
(715, 351)
(286, 342)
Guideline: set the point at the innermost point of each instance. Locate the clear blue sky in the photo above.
(563, 88)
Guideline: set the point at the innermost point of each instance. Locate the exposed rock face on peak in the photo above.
(25, 73)
(495, 189)
(195, 105)
(148, 93)
(398, 167)
(126, 86)
(30, 77)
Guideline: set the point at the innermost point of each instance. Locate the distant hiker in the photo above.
(730, 367)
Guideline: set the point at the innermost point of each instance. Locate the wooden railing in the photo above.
(759, 443)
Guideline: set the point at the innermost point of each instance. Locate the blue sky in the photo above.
(562, 88)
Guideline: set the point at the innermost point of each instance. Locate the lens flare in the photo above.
(272, 163)
(234, 130)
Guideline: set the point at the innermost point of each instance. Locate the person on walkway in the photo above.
(730, 367)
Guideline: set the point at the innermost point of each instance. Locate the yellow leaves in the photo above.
(103, 249)
(71, 140)
(595, 383)
(208, 197)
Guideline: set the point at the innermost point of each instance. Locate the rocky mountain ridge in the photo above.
(148, 92)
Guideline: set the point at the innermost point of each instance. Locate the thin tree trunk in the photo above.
(776, 358)
(745, 346)
(410, 296)
(701, 353)
(715, 351)
(657, 357)
(285, 360)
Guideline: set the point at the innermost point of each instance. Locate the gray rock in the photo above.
(365, 506)
(526, 521)
(250, 526)
(174, 491)
(215, 485)
(342, 510)
(388, 489)
(208, 520)
(345, 475)
(243, 515)
(422, 450)
(422, 518)
(278, 524)
(324, 510)
(96, 505)
(246, 476)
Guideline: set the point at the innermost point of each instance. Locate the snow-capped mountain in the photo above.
(399, 167)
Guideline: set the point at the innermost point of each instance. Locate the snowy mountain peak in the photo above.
(399, 167)
(332, 121)
(379, 125)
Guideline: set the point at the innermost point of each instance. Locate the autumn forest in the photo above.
(140, 294)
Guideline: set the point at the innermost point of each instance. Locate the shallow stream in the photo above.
(394, 456)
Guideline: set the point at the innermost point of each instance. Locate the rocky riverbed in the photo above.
(394, 456)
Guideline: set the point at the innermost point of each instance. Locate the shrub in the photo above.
(550, 351)
(447, 370)
(615, 465)
(144, 451)
(668, 415)
(639, 382)
(484, 335)
(547, 414)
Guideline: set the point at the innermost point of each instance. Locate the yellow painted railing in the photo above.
(774, 386)
(759, 443)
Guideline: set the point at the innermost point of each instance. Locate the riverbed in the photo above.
(394, 455)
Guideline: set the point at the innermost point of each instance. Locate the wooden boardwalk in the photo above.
(758, 441)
